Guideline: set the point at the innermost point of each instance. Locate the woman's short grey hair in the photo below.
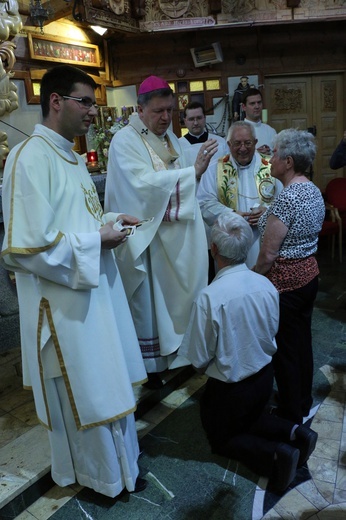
(298, 144)
(232, 236)
(240, 124)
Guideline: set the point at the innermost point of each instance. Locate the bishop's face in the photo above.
(157, 114)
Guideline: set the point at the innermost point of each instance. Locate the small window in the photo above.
(196, 86)
(212, 84)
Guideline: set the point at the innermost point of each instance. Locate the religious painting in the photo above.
(237, 86)
(67, 51)
(183, 100)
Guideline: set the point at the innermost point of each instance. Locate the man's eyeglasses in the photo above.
(84, 102)
(238, 144)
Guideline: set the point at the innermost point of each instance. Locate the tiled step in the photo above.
(25, 462)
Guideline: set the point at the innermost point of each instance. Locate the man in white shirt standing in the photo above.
(231, 338)
(252, 104)
(195, 121)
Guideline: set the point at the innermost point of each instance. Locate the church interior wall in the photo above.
(300, 48)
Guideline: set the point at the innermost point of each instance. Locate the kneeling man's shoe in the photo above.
(306, 440)
(284, 468)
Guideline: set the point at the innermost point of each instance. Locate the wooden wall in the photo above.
(266, 50)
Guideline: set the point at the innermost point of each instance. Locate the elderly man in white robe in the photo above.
(240, 181)
(148, 176)
(79, 348)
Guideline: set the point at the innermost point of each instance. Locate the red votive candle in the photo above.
(92, 157)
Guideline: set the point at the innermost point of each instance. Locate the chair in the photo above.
(332, 226)
(335, 194)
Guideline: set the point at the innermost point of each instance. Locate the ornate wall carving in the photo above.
(287, 100)
(329, 98)
(156, 15)
(10, 20)
(115, 14)
(10, 25)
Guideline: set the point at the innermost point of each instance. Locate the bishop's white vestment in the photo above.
(165, 264)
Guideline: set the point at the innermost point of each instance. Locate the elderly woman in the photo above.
(289, 231)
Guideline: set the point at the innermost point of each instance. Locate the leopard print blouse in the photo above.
(301, 208)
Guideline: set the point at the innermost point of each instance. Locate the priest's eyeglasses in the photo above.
(238, 144)
(84, 102)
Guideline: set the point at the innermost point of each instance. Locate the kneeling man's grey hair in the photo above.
(232, 236)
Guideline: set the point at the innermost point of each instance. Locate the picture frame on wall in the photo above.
(50, 48)
(234, 88)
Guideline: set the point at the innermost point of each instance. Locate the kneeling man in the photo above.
(231, 338)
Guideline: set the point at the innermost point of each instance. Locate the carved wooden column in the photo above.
(10, 25)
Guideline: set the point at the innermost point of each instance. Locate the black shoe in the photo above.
(140, 485)
(154, 381)
(305, 442)
(284, 467)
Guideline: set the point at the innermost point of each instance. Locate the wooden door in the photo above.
(314, 103)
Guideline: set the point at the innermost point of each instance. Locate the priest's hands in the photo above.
(253, 215)
(110, 237)
(206, 152)
(265, 149)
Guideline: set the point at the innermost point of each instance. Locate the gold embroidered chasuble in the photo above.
(228, 177)
(158, 148)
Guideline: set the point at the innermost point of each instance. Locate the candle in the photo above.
(92, 158)
(264, 115)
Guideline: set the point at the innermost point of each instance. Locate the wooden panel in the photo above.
(288, 102)
(328, 118)
(309, 102)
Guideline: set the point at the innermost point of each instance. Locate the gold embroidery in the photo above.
(92, 202)
(227, 182)
(45, 307)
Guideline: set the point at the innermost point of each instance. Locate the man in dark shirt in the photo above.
(338, 158)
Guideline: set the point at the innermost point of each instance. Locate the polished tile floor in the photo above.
(24, 450)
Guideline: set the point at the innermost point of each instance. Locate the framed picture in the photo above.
(107, 116)
(236, 86)
(183, 100)
(50, 48)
